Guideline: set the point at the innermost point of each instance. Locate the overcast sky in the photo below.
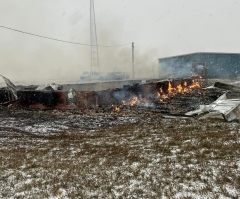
(159, 28)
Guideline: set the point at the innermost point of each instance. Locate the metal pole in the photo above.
(93, 38)
(133, 75)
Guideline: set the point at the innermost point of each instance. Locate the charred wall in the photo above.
(4, 96)
(92, 99)
(47, 98)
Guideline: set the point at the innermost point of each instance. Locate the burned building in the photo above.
(219, 65)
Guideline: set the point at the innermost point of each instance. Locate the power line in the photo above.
(59, 40)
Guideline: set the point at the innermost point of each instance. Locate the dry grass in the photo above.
(152, 158)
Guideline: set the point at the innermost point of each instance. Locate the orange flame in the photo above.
(170, 88)
(179, 89)
(133, 101)
(195, 85)
(116, 108)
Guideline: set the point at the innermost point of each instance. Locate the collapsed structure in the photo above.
(177, 96)
(146, 94)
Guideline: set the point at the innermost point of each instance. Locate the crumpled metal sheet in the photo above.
(12, 88)
(228, 108)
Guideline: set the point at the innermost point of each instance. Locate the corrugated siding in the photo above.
(219, 65)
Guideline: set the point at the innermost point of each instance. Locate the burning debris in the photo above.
(116, 108)
(181, 88)
(155, 95)
(173, 96)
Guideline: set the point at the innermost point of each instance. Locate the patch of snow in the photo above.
(134, 165)
(232, 191)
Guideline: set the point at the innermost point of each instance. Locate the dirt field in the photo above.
(135, 153)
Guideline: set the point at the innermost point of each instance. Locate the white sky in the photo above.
(158, 27)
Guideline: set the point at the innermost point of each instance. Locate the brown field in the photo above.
(130, 154)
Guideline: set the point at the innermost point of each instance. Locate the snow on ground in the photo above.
(117, 156)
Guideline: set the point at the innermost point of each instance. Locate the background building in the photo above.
(218, 65)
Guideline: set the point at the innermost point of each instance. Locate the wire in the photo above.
(69, 42)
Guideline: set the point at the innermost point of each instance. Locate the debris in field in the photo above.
(49, 87)
(72, 96)
(228, 108)
(116, 108)
(12, 89)
(172, 96)
(44, 88)
(226, 86)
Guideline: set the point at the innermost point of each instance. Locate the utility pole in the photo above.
(133, 75)
(93, 38)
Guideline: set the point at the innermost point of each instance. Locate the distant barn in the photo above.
(223, 65)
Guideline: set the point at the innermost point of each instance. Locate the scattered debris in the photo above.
(49, 87)
(10, 94)
(226, 106)
(178, 97)
(226, 86)
(72, 96)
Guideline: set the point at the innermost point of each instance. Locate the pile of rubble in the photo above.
(188, 97)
